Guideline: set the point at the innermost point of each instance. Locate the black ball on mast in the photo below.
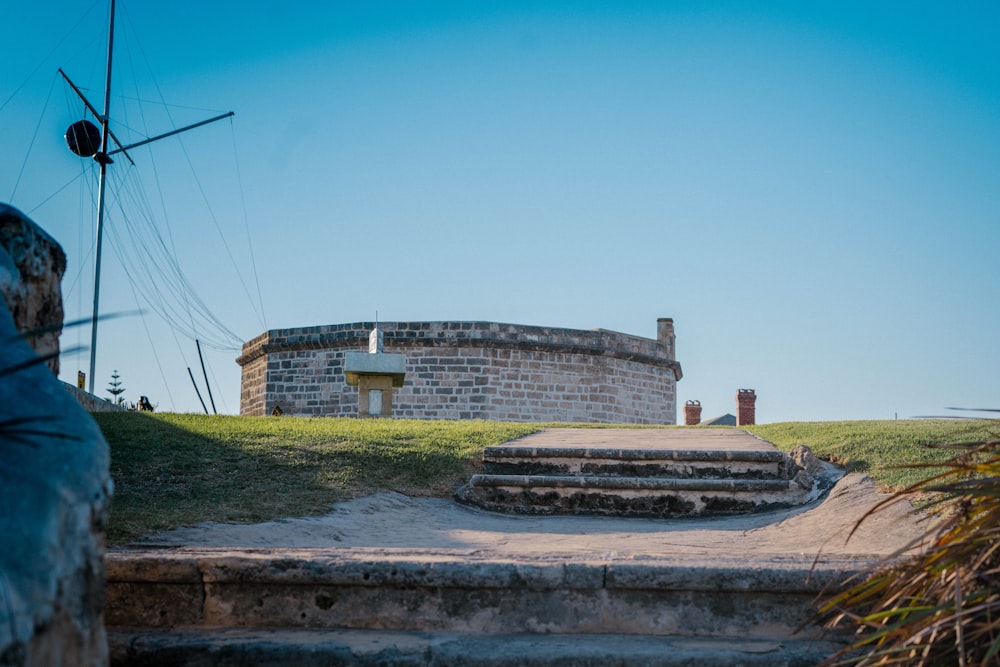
(83, 138)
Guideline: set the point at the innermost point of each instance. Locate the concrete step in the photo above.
(631, 496)
(274, 647)
(371, 591)
(631, 462)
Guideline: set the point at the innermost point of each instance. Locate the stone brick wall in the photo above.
(471, 370)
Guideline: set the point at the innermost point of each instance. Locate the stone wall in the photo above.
(471, 370)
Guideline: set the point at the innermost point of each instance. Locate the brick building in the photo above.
(471, 370)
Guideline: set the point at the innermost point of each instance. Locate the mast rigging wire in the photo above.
(34, 136)
(46, 58)
(258, 305)
(149, 337)
(135, 236)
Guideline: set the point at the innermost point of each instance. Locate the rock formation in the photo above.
(55, 487)
(31, 272)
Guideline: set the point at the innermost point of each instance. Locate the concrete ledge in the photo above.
(307, 648)
(636, 468)
(635, 483)
(216, 588)
(92, 403)
(631, 454)
(369, 568)
(631, 462)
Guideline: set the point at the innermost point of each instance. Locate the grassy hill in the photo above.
(173, 469)
(882, 449)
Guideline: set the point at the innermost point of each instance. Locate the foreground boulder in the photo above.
(31, 271)
(55, 488)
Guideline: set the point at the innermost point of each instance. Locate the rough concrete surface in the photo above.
(403, 524)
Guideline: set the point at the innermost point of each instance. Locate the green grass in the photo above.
(878, 448)
(172, 469)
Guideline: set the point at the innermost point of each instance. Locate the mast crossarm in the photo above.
(170, 134)
(96, 114)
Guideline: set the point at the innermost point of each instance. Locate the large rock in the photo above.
(31, 272)
(55, 489)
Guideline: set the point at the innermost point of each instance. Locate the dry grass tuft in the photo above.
(941, 607)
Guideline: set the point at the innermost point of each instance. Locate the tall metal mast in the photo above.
(102, 159)
(80, 143)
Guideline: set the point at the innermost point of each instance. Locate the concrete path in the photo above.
(432, 527)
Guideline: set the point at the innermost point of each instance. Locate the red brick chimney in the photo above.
(692, 413)
(746, 410)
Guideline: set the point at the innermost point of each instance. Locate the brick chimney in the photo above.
(665, 335)
(692, 413)
(746, 410)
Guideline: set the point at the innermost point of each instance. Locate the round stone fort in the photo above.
(470, 370)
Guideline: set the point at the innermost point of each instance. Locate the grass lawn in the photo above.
(180, 469)
(173, 469)
(879, 448)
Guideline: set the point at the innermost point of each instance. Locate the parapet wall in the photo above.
(471, 370)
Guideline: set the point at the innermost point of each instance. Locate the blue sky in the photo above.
(808, 189)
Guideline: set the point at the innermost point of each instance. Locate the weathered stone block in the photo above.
(54, 496)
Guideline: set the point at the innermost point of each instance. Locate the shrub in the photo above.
(940, 606)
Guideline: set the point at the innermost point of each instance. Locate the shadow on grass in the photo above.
(857, 466)
(173, 470)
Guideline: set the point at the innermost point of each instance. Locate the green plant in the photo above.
(940, 606)
(115, 388)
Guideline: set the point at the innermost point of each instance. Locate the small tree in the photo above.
(116, 388)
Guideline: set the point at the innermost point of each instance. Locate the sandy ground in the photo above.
(391, 522)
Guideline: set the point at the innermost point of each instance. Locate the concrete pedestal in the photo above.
(374, 374)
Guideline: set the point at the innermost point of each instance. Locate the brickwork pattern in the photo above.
(470, 370)
(692, 413)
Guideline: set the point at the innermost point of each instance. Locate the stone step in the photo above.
(631, 496)
(369, 590)
(264, 647)
(631, 462)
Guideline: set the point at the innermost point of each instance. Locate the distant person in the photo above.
(145, 405)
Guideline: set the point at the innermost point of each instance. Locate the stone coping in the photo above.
(781, 573)
(496, 335)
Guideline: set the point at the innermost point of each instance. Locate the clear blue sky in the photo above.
(811, 190)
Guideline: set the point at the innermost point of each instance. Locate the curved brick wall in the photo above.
(471, 370)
